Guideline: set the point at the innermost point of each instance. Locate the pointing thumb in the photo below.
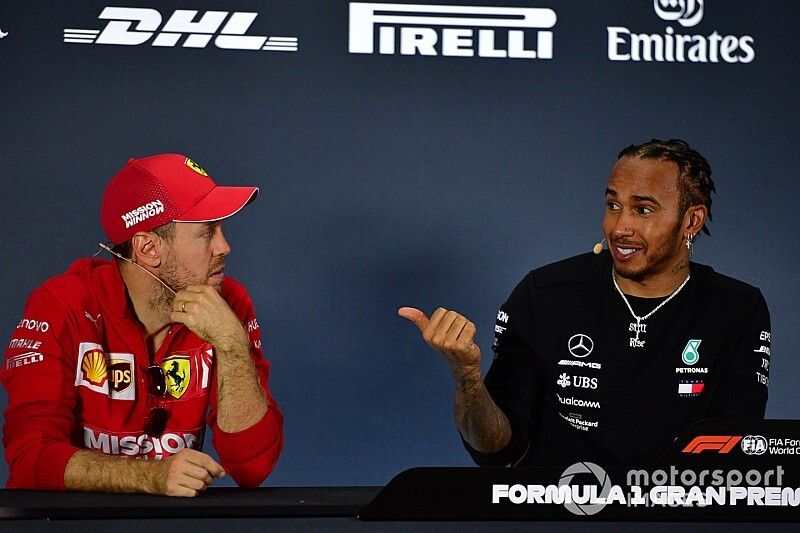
(414, 315)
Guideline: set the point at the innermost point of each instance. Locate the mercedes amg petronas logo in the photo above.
(580, 345)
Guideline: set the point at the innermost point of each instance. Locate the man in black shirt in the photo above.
(606, 357)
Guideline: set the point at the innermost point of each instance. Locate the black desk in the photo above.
(429, 494)
(229, 510)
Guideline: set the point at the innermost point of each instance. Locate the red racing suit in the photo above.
(76, 375)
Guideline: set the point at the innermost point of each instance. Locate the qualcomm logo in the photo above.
(465, 31)
(132, 26)
(626, 45)
(687, 12)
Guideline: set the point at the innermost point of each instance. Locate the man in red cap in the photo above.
(124, 359)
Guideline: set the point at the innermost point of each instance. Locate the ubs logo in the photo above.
(580, 382)
(580, 345)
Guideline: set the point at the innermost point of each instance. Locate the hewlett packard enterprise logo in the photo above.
(465, 31)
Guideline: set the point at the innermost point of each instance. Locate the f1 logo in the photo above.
(720, 443)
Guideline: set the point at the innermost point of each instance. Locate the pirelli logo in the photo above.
(467, 31)
(718, 443)
(27, 358)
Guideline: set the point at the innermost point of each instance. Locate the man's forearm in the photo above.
(482, 424)
(241, 401)
(92, 471)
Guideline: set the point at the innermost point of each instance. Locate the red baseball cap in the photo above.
(152, 191)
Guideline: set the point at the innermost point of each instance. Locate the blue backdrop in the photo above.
(399, 179)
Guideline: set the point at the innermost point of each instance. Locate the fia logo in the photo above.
(754, 445)
(688, 13)
(132, 26)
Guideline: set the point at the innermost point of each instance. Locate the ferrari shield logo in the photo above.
(177, 371)
(194, 166)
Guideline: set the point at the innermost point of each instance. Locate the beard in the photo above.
(657, 259)
(175, 277)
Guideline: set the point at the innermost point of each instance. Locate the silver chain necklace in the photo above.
(638, 327)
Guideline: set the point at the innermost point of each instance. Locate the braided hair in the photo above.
(694, 173)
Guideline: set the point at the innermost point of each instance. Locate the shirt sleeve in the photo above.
(513, 378)
(39, 434)
(743, 387)
(250, 455)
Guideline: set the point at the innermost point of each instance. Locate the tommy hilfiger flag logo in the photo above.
(690, 389)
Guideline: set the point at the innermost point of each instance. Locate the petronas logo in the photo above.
(691, 354)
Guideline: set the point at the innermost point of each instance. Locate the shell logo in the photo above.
(94, 367)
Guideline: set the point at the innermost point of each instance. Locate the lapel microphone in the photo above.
(598, 247)
(115, 254)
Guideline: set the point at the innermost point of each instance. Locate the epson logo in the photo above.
(625, 45)
(132, 26)
(461, 31)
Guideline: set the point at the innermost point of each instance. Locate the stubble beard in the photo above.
(174, 275)
(177, 277)
(656, 262)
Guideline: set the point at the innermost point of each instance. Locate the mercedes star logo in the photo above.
(580, 345)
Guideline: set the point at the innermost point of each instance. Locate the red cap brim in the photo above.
(219, 203)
